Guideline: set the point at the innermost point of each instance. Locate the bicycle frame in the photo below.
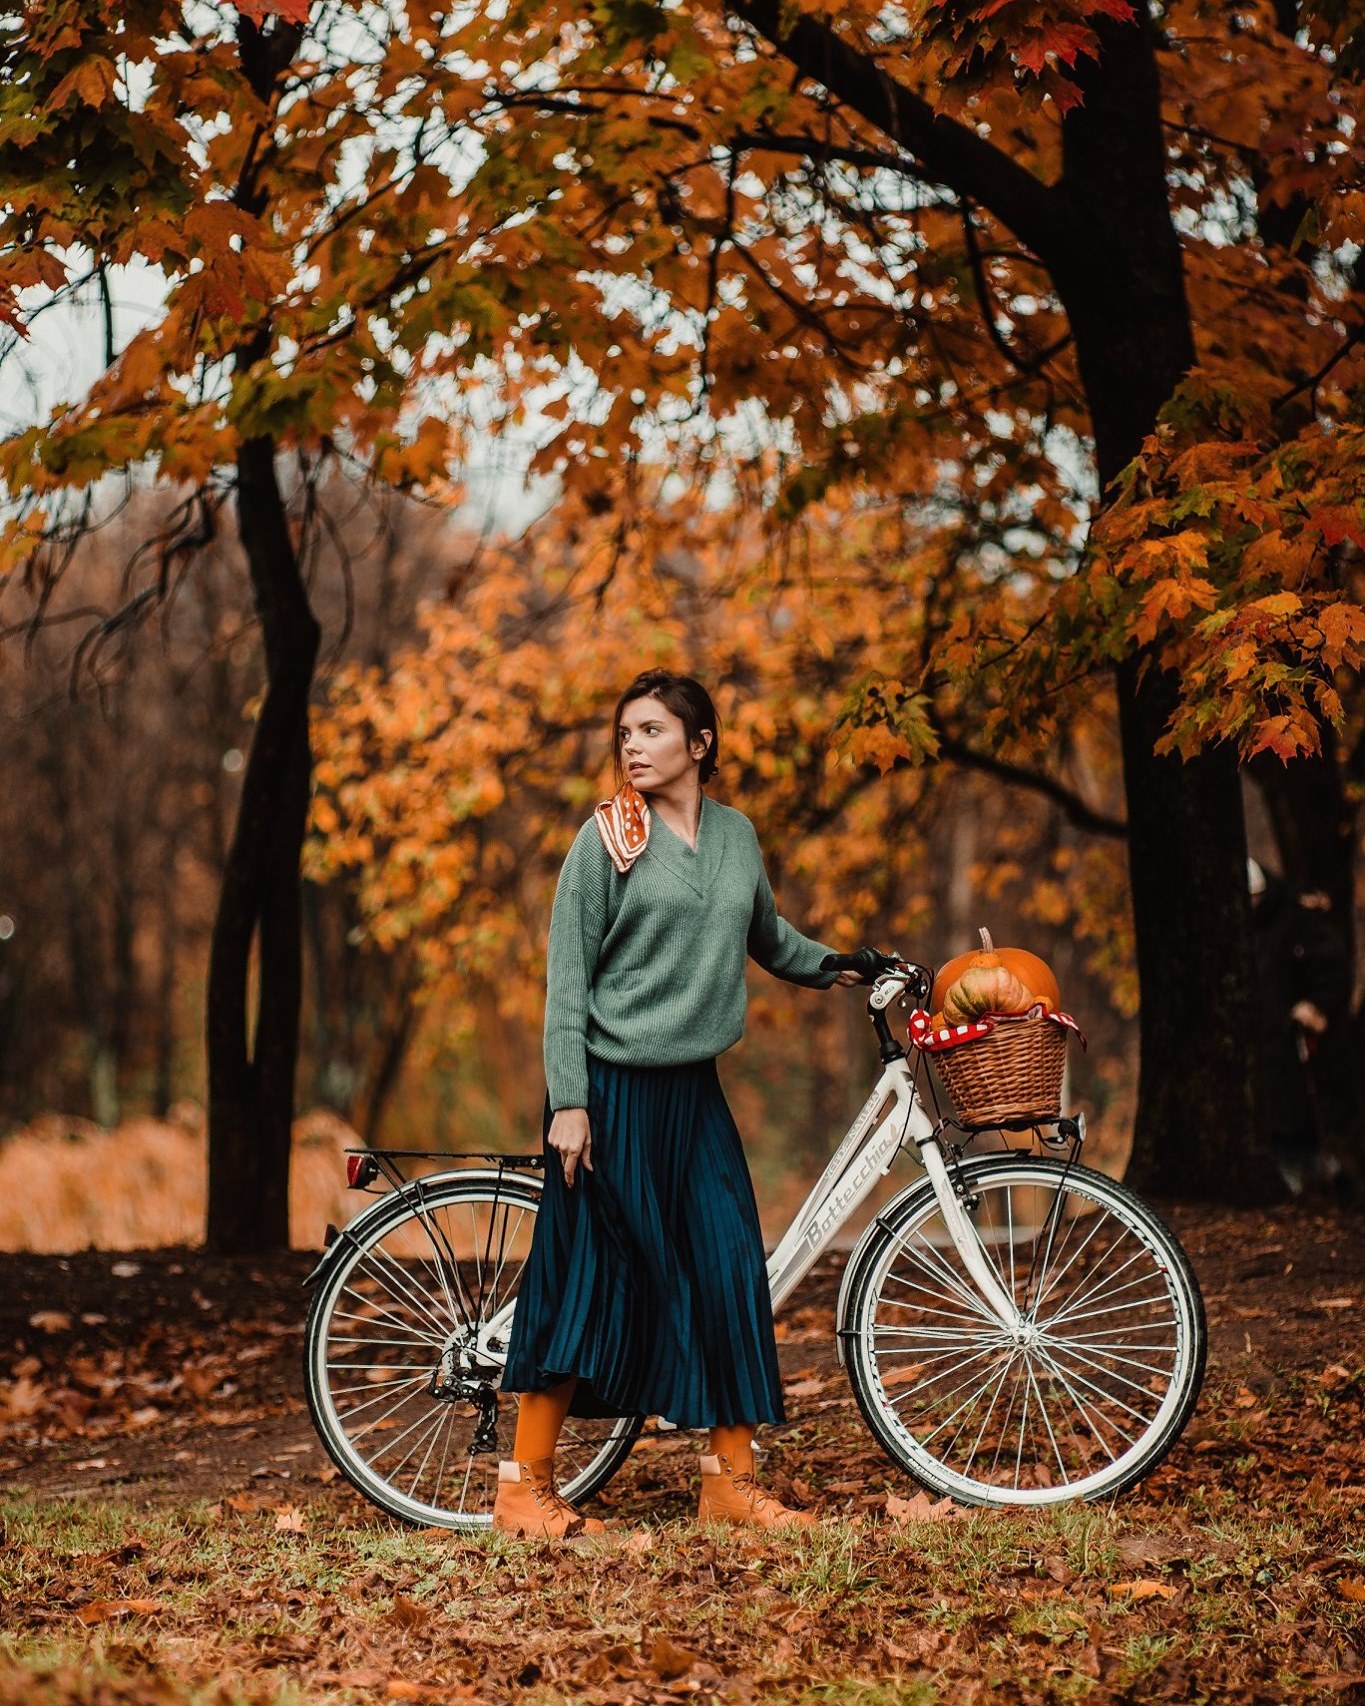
(865, 1155)
(893, 1118)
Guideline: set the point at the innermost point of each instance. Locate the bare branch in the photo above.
(1077, 811)
(949, 152)
(1313, 380)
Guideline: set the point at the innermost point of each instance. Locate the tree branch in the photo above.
(1075, 809)
(1313, 380)
(949, 152)
(798, 142)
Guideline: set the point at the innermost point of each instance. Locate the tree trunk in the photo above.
(1123, 286)
(1195, 1134)
(1313, 822)
(374, 1100)
(251, 1067)
(1313, 819)
(163, 1077)
(1105, 234)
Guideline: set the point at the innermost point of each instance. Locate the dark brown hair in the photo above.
(686, 698)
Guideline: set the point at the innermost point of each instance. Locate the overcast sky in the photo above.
(64, 354)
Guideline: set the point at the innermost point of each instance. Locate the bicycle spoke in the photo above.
(943, 1398)
(1103, 1279)
(924, 1309)
(390, 1278)
(938, 1266)
(935, 1335)
(439, 1421)
(1017, 1367)
(359, 1409)
(1046, 1291)
(990, 1411)
(1110, 1309)
(403, 1290)
(435, 1265)
(1084, 1410)
(1042, 1411)
(1068, 1396)
(1063, 1349)
(398, 1379)
(1069, 1375)
(388, 1446)
(1132, 1362)
(399, 1326)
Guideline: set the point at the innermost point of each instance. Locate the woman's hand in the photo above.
(571, 1138)
(872, 961)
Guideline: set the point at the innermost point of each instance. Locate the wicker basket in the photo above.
(1011, 1077)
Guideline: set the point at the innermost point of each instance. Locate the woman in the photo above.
(646, 1291)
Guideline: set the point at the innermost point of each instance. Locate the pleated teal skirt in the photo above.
(646, 1279)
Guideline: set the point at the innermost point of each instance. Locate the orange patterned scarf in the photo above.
(623, 822)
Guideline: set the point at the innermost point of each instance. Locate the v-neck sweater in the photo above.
(646, 967)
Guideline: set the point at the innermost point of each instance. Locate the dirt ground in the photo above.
(172, 1532)
(168, 1373)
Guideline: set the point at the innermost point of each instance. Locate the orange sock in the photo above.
(540, 1416)
(736, 1442)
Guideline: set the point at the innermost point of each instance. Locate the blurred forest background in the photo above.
(973, 397)
(122, 795)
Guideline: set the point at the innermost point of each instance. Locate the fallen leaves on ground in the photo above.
(1144, 1589)
(920, 1508)
(110, 1610)
(257, 1589)
(667, 1660)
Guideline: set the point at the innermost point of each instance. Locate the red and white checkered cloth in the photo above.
(931, 1041)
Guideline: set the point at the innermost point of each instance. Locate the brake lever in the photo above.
(918, 983)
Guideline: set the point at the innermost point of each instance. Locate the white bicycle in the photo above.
(1018, 1329)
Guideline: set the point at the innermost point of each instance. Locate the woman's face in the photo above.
(654, 747)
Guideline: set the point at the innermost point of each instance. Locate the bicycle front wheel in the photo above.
(1092, 1388)
(402, 1379)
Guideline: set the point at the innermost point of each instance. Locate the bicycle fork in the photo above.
(963, 1234)
(892, 1118)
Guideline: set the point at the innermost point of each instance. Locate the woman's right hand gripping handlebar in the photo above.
(571, 1139)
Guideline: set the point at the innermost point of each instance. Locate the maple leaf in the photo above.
(112, 1610)
(668, 1660)
(1063, 41)
(920, 1508)
(292, 11)
(1145, 1587)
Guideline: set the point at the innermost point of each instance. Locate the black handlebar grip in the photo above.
(868, 961)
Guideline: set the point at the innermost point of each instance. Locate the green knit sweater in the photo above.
(647, 967)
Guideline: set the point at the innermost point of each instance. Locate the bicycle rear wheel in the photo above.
(399, 1379)
(1085, 1397)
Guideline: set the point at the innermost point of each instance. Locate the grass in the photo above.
(859, 1614)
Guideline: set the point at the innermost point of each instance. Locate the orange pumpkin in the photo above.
(1035, 974)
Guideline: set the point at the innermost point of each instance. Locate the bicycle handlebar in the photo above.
(868, 961)
(872, 964)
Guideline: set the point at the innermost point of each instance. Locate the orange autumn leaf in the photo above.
(112, 1610)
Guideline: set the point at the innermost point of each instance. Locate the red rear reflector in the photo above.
(353, 1165)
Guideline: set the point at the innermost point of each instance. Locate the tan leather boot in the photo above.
(529, 1503)
(730, 1494)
